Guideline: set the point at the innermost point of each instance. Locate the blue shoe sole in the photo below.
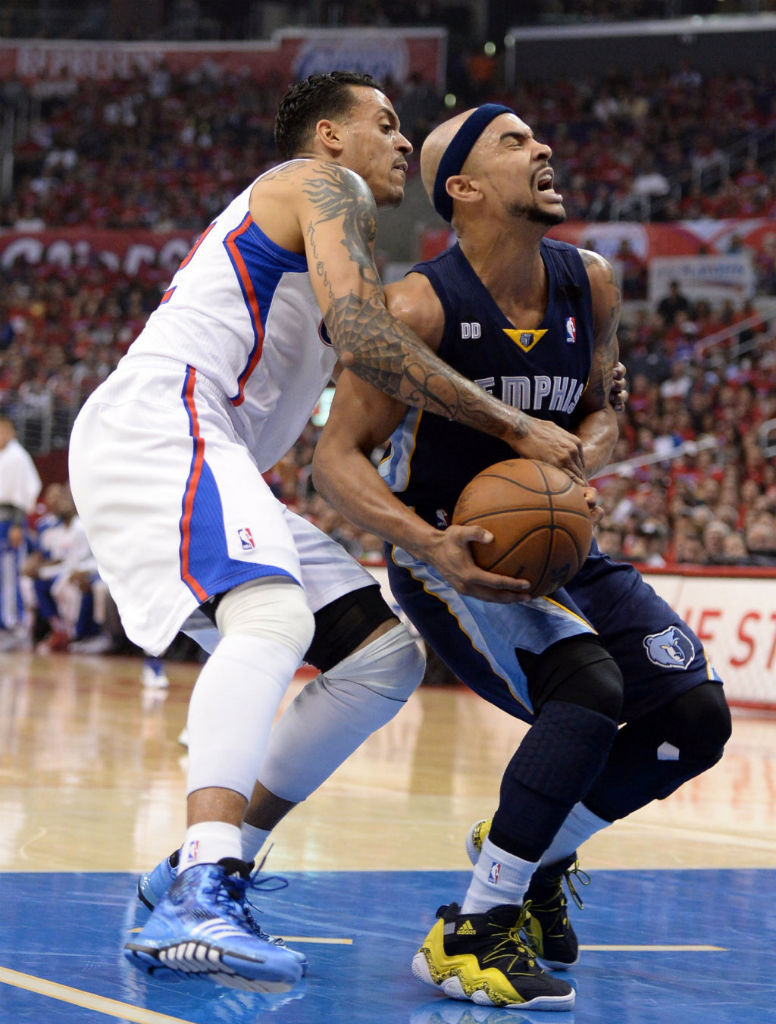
(212, 964)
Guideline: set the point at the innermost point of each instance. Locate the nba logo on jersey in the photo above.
(495, 871)
(571, 330)
(246, 539)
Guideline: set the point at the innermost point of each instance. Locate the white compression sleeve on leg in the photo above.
(273, 608)
(336, 712)
(265, 629)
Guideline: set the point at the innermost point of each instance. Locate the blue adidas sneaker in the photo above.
(201, 929)
(152, 886)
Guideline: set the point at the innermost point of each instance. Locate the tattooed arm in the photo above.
(597, 428)
(337, 217)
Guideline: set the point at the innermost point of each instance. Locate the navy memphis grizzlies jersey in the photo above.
(543, 372)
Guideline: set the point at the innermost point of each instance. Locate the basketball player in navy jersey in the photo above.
(533, 322)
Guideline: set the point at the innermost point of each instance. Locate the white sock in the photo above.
(208, 841)
(498, 877)
(580, 824)
(252, 839)
(232, 709)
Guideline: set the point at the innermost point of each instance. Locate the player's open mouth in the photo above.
(544, 184)
(545, 180)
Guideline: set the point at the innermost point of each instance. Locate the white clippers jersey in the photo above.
(241, 311)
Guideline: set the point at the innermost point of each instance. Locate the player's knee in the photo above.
(391, 666)
(273, 609)
(698, 723)
(578, 670)
(344, 624)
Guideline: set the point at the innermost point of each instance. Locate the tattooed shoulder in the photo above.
(601, 273)
(336, 192)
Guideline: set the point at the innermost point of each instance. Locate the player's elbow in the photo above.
(327, 470)
(318, 469)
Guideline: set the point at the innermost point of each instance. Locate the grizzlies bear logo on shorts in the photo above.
(671, 648)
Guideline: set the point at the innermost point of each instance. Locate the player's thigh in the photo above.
(328, 574)
(478, 639)
(348, 602)
(328, 571)
(659, 655)
(174, 507)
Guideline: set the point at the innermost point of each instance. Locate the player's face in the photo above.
(519, 167)
(375, 148)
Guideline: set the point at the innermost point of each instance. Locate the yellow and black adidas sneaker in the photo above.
(549, 931)
(483, 957)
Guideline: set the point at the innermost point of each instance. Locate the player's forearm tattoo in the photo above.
(387, 354)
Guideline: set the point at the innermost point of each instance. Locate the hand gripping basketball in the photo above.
(541, 523)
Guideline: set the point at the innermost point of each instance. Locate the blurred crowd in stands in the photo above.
(188, 20)
(164, 152)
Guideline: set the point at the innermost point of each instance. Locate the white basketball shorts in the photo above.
(175, 508)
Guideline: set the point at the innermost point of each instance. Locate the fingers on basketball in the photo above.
(540, 520)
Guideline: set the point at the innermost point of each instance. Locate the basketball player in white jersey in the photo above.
(166, 463)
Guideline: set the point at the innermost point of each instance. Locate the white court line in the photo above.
(88, 1000)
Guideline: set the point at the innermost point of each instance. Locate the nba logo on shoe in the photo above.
(495, 871)
(571, 330)
(246, 539)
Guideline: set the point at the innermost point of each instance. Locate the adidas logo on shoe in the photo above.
(466, 928)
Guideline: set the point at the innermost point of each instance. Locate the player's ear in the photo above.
(463, 188)
(330, 134)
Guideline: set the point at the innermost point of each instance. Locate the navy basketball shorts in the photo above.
(659, 656)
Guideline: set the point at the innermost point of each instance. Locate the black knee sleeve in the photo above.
(698, 723)
(344, 623)
(578, 670)
(654, 755)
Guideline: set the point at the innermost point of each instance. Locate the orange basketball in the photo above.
(539, 519)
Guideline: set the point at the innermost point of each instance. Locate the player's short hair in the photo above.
(322, 95)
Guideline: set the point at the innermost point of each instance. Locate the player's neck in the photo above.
(512, 270)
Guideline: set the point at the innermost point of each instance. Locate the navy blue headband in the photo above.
(460, 146)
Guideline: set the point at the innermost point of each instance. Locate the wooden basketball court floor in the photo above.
(678, 924)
